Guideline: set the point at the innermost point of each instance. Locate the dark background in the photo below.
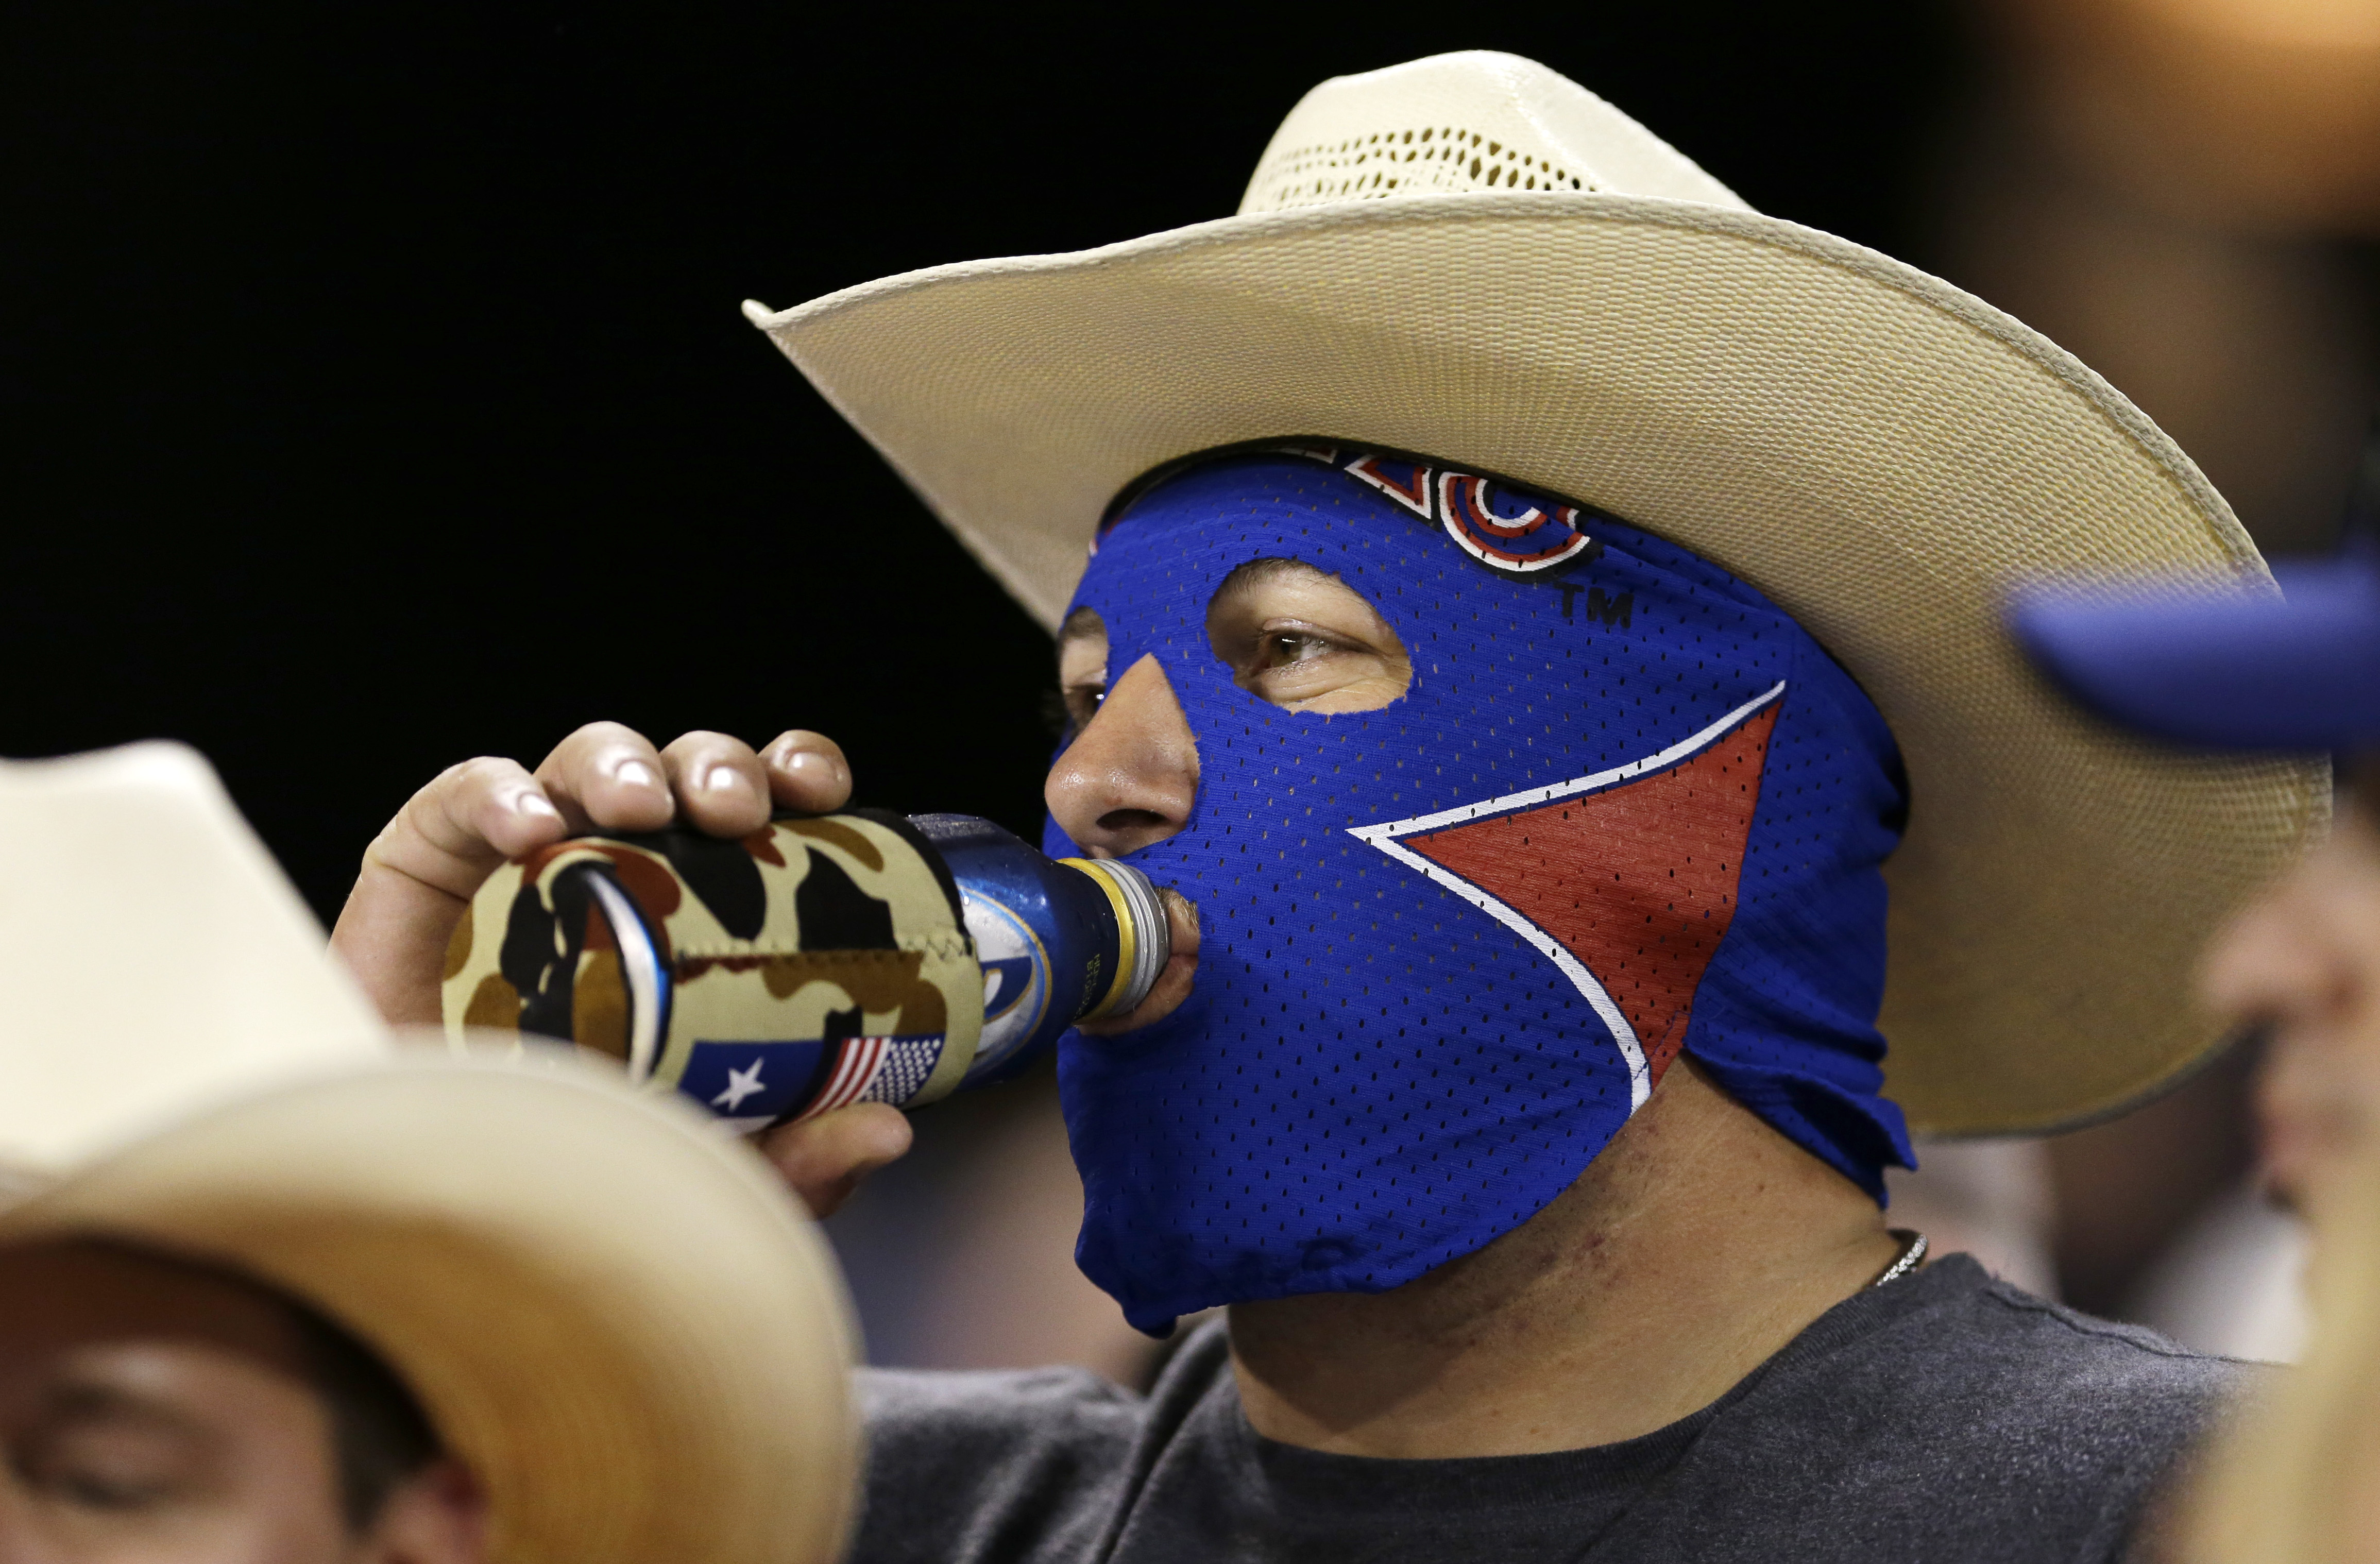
(374, 390)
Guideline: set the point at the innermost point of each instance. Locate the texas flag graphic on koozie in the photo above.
(1624, 880)
(751, 1084)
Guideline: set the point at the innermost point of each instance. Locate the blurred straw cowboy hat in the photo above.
(1473, 257)
(612, 1312)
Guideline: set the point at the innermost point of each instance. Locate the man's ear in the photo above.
(437, 1515)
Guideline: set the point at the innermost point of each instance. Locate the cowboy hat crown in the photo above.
(1477, 120)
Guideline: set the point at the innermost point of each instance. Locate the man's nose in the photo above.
(2278, 960)
(1132, 774)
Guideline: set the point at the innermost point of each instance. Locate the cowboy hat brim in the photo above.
(1881, 454)
(613, 1313)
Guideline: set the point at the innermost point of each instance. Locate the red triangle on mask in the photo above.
(1637, 881)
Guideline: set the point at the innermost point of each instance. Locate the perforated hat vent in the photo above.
(1442, 157)
(1454, 124)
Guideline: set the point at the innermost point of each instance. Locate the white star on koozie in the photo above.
(741, 1083)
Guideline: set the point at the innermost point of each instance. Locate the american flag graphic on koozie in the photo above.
(889, 1070)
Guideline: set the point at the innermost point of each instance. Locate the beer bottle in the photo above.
(822, 961)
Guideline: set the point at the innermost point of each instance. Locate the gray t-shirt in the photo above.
(1945, 1416)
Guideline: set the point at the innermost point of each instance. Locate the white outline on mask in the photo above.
(1383, 836)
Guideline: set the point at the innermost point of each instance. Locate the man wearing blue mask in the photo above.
(1540, 613)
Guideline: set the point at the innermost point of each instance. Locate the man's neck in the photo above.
(1698, 1243)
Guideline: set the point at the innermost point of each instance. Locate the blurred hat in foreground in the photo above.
(615, 1316)
(2233, 671)
(151, 953)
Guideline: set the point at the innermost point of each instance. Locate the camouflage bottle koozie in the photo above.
(814, 963)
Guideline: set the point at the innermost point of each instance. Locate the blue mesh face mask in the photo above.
(1627, 808)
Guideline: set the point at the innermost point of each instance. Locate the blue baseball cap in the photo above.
(2296, 671)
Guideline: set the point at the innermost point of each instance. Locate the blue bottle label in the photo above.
(1015, 976)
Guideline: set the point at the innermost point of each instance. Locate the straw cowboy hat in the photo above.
(612, 1312)
(1472, 257)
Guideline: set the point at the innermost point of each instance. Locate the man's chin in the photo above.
(2299, 1167)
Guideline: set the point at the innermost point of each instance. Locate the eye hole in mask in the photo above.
(1292, 636)
(1303, 640)
(1082, 670)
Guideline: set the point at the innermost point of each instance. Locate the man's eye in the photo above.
(1281, 648)
(1303, 640)
(98, 1490)
(114, 1481)
(1082, 702)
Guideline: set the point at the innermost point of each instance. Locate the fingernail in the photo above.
(719, 778)
(810, 763)
(535, 803)
(634, 773)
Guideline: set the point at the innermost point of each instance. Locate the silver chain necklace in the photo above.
(1913, 1254)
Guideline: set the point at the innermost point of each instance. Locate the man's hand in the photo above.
(421, 872)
